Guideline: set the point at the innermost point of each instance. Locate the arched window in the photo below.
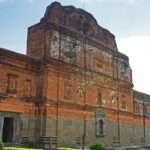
(99, 98)
(12, 83)
(140, 108)
(67, 90)
(124, 105)
(100, 127)
(27, 87)
(123, 102)
(136, 108)
(148, 110)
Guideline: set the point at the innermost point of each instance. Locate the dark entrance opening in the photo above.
(7, 136)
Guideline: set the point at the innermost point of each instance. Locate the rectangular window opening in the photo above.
(7, 136)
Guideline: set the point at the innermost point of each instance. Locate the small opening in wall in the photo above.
(7, 136)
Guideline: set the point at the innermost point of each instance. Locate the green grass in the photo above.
(19, 148)
(68, 149)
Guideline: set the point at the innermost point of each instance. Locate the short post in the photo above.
(24, 141)
(53, 142)
(45, 142)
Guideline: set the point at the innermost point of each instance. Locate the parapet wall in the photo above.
(76, 20)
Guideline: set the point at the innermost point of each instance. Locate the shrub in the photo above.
(1, 146)
(97, 145)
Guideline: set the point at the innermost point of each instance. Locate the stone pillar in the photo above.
(1, 127)
(16, 135)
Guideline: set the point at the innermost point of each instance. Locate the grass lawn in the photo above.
(17, 148)
(68, 149)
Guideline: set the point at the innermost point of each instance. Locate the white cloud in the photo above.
(138, 50)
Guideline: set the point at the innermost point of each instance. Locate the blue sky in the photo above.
(127, 19)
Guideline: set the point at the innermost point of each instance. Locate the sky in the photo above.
(128, 20)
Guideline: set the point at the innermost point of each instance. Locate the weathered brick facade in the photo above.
(72, 83)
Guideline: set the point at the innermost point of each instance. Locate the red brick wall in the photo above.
(36, 41)
(16, 91)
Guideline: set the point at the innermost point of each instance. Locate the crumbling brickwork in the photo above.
(72, 83)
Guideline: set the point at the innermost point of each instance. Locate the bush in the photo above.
(1, 146)
(97, 145)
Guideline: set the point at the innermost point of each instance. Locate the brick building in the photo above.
(73, 83)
